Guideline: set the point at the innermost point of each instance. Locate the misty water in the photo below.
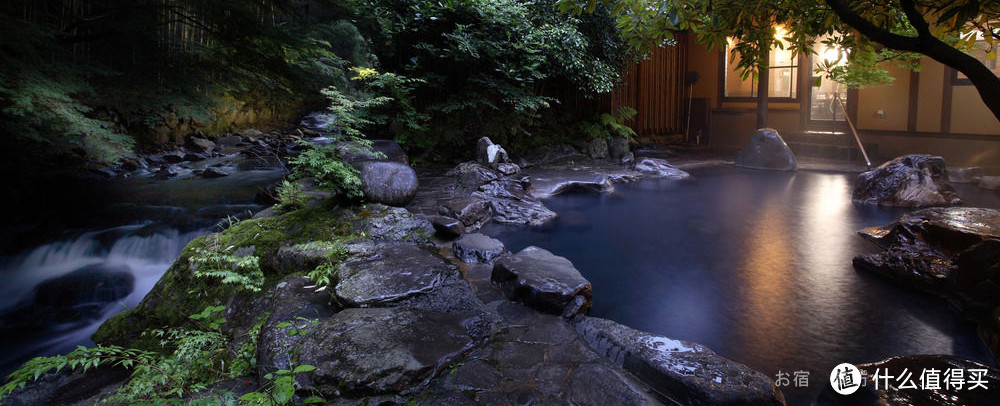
(754, 264)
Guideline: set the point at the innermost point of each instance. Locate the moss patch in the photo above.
(179, 293)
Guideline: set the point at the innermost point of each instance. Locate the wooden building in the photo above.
(933, 111)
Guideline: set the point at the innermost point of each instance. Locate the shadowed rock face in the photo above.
(543, 281)
(908, 181)
(380, 350)
(947, 395)
(688, 373)
(767, 150)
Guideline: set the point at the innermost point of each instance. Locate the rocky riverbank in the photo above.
(393, 305)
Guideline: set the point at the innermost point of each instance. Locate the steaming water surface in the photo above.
(754, 264)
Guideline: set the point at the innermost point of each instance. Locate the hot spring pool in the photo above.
(754, 264)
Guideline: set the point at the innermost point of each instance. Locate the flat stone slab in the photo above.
(543, 281)
(382, 350)
(538, 359)
(659, 168)
(907, 181)
(447, 227)
(550, 182)
(477, 247)
(688, 373)
(394, 272)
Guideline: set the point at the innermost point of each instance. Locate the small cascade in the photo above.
(57, 294)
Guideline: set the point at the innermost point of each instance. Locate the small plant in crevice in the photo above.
(290, 197)
(242, 271)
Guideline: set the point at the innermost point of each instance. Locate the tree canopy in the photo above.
(870, 31)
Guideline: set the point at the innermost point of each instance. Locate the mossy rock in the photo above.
(179, 293)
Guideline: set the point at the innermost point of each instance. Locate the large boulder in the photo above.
(489, 154)
(477, 247)
(393, 273)
(688, 373)
(659, 168)
(767, 150)
(197, 144)
(510, 202)
(908, 181)
(908, 380)
(543, 281)
(382, 350)
(943, 250)
(469, 176)
(387, 182)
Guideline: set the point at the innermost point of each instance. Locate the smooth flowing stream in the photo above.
(754, 264)
(105, 249)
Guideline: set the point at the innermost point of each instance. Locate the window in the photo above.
(782, 76)
(979, 52)
(823, 104)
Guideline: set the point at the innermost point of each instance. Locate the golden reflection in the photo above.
(769, 277)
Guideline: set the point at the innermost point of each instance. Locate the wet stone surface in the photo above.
(908, 181)
(392, 273)
(543, 281)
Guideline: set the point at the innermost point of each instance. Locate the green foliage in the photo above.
(281, 389)
(489, 67)
(44, 103)
(607, 125)
(193, 359)
(326, 164)
(242, 271)
(290, 198)
(324, 274)
(84, 80)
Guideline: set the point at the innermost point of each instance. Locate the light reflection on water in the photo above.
(756, 265)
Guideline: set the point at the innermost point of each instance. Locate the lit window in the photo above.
(823, 104)
(782, 75)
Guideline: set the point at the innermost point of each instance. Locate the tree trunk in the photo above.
(987, 83)
(763, 79)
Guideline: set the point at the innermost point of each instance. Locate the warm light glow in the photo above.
(780, 32)
(833, 55)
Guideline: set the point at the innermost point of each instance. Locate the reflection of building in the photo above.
(933, 111)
